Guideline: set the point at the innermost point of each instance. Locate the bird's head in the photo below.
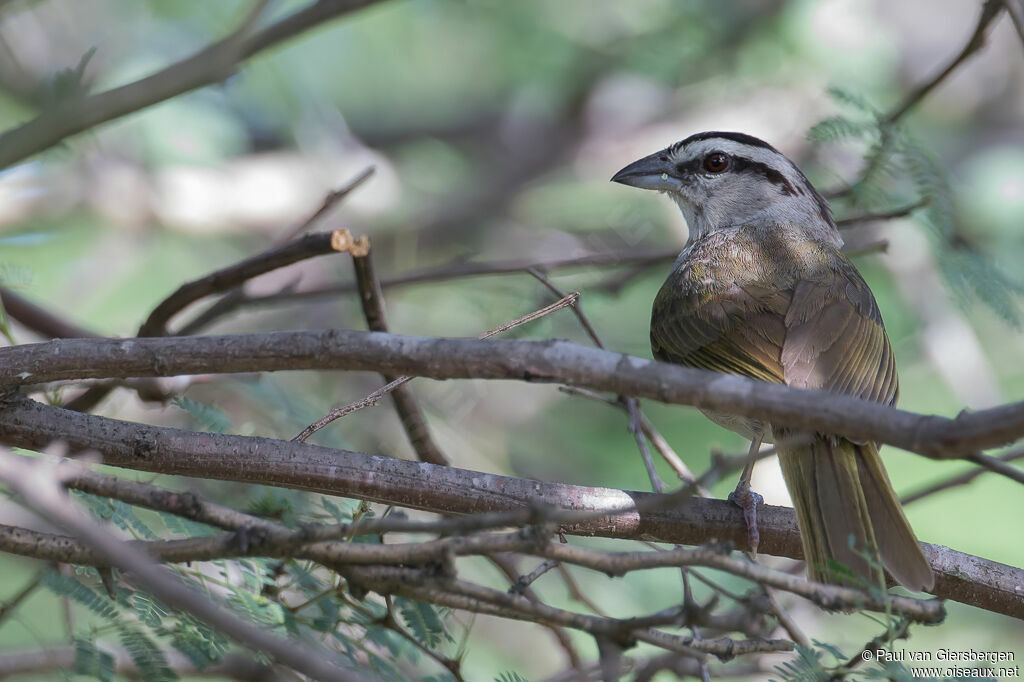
(721, 180)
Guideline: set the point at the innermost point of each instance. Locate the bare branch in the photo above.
(332, 199)
(989, 11)
(606, 512)
(210, 65)
(36, 481)
(958, 480)
(482, 269)
(409, 412)
(534, 361)
(374, 398)
(40, 320)
(903, 211)
(225, 279)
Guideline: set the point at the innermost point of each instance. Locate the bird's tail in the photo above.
(840, 490)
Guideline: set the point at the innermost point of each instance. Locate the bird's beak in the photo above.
(650, 172)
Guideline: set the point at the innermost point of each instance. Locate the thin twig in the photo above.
(997, 465)
(12, 604)
(631, 405)
(452, 665)
(893, 632)
(209, 65)
(506, 564)
(849, 221)
(577, 593)
(332, 199)
(36, 481)
(410, 414)
(577, 309)
(374, 398)
(461, 270)
(989, 11)
(657, 440)
(524, 581)
(225, 279)
(958, 480)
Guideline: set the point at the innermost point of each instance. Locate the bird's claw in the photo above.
(747, 500)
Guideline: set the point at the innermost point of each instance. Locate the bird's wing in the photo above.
(835, 340)
(822, 330)
(736, 331)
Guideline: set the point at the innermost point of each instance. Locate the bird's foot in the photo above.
(747, 500)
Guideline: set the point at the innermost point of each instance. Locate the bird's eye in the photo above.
(716, 162)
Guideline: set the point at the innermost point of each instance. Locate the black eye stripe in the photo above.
(742, 164)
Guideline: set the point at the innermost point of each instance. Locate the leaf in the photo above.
(839, 128)
(806, 667)
(207, 417)
(510, 676)
(145, 654)
(198, 642)
(422, 619)
(851, 99)
(90, 660)
(67, 586)
(149, 610)
(258, 608)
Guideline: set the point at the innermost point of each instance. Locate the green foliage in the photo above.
(206, 417)
(90, 660)
(510, 676)
(149, 610)
(899, 170)
(66, 586)
(117, 512)
(806, 667)
(145, 654)
(424, 621)
(198, 642)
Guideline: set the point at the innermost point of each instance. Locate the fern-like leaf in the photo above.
(145, 654)
(91, 660)
(422, 619)
(207, 417)
(66, 586)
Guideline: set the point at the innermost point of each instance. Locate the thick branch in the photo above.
(960, 577)
(543, 362)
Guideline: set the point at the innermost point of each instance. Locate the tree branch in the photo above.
(210, 65)
(609, 512)
(225, 279)
(534, 361)
(409, 412)
(989, 11)
(36, 481)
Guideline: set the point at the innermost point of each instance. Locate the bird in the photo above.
(761, 289)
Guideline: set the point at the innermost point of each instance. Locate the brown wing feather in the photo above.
(822, 331)
(835, 340)
(737, 336)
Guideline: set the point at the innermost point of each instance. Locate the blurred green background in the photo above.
(494, 127)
